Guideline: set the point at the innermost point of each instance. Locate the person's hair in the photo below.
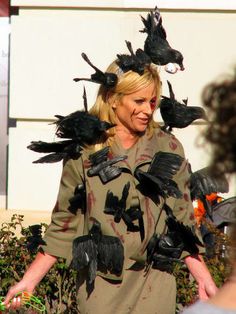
(128, 83)
(219, 98)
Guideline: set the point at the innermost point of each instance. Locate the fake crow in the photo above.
(104, 167)
(176, 114)
(35, 238)
(135, 61)
(117, 207)
(78, 201)
(109, 80)
(157, 181)
(96, 251)
(184, 234)
(165, 249)
(156, 45)
(78, 128)
(203, 182)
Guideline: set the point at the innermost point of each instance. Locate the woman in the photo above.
(219, 98)
(132, 281)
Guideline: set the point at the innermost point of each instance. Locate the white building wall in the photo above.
(45, 56)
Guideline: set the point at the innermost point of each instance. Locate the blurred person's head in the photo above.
(219, 98)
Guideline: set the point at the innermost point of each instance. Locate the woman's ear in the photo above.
(111, 100)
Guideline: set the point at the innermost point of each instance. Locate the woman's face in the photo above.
(134, 111)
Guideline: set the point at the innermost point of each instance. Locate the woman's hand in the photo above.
(206, 285)
(36, 271)
(12, 300)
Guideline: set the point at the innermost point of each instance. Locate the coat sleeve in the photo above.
(64, 224)
(183, 207)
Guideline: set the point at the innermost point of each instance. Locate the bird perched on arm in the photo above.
(176, 114)
(156, 45)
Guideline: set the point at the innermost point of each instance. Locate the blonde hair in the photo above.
(128, 83)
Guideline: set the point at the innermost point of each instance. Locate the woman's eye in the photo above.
(153, 103)
(139, 101)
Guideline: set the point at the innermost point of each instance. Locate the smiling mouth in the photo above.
(145, 121)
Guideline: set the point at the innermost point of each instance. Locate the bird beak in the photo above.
(182, 67)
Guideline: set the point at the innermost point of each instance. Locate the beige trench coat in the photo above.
(134, 291)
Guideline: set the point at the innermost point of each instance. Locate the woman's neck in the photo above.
(126, 138)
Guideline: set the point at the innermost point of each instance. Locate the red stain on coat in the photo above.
(65, 226)
(192, 217)
(172, 145)
(90, 201)
(150, 223)
(120, 236)
(186, 197)
(86, 164)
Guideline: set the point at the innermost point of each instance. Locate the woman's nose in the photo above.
(148, 108)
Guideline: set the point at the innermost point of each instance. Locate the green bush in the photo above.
(58, 288)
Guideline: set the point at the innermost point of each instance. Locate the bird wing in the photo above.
(189, 239)
(84, 252)
(165, 165)
(99, 156)
(78, 200)
(44, 147)
(106, 79)
(111, 203)
(203, 182)
(110, 254)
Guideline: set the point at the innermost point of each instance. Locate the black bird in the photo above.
(157, 181)
(117, 207)
(109, 80)
(176, 114)
(203, 182)
(35, 238)
(96, 251)
(183, 234)
(135, 61)
(156, 45)
(78, 201)
(78, 128)
(102, 166)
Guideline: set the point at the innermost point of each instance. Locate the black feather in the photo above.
(78, 201)
(157, 181)
(35, 239)
(156, 45)
(185, 234)
(203, 182)
(104, 167)
(135, 61)
(96, 251)
(78, 129)
(176, 114)
(109, 80)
